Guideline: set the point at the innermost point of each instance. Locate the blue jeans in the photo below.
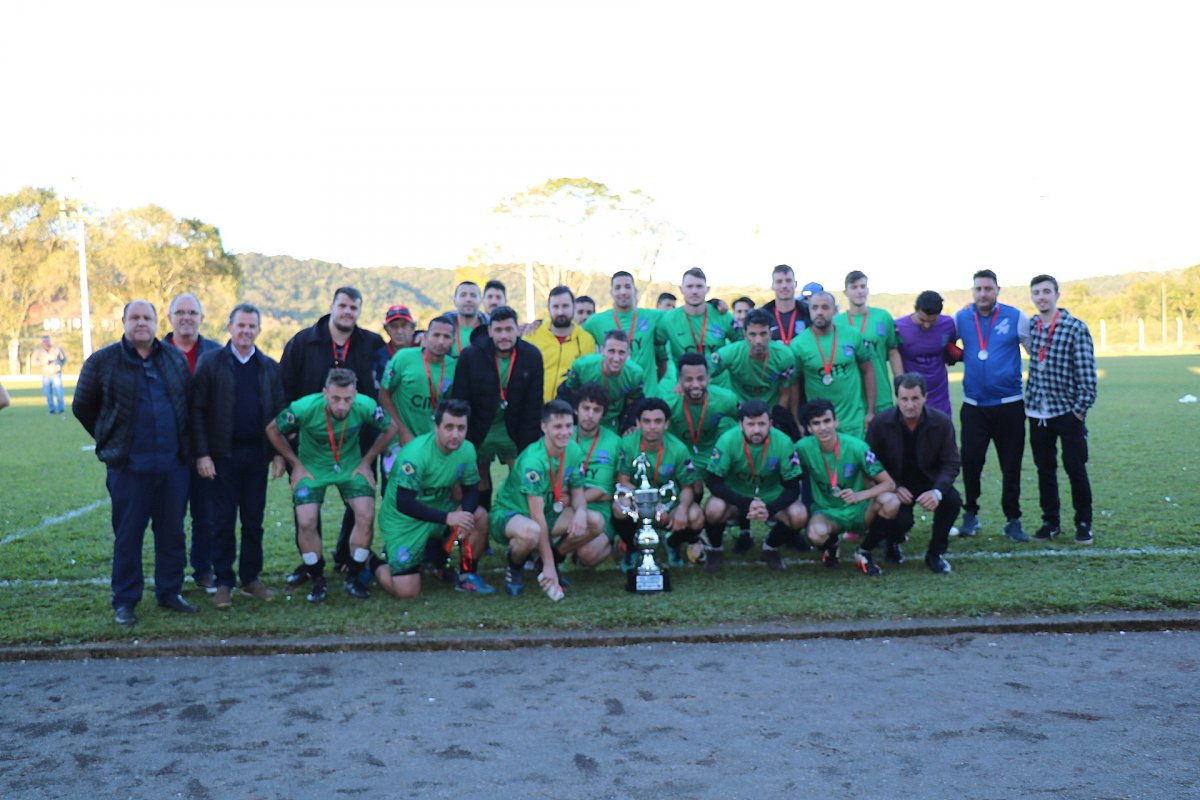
(138, 499)
(52, 388)
(240, 485)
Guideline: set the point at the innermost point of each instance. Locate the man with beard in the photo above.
(561, 342)
(612, 368)
(418, 504)
(696, 327)
(916, 446)
(541, 509)
(600, 446)
(334, 342)
(638, 324)
(878, 330)
(754, 475)
(788, 317)
(835, 365)
(585, 308)
(500, 377)
(466, 316)
(401, 329)
(328, 427)
(495, 294)
(761, 369)
(419, 378)
(924, 336)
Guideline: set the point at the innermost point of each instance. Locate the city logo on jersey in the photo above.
(408, 468)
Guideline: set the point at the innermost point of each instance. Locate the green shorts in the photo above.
(405, 544)
(498, 521)
(847, 518)
(496, 445)
(313, 491)
(604, 509)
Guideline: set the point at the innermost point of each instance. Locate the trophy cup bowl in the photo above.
(644, 502)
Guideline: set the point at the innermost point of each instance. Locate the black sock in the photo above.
(375, 562)
(317, 571)
(780, 535)
(716, 533)
(679, 538)
(878, 531)
(485, 498)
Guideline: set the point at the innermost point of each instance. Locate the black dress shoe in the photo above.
(937, 564)
(744, 543)
(125, 616)
(176, 602)
(299, 575)
(893, 554)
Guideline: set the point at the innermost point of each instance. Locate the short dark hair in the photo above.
(452, 406)
(929, 302)
(1043, 279)
(621, 274)
(495, 284)
(817, 408)
(583, 298)
(666, 296)
(695, 272)
(783, 269)
(855, 275)
(651, 404)
(693, 359)
(742, 299)
(615, 333)
(349, 291)
(985, 273)
(501, 313)
(465, 283)
(757, 316)
(910, 380)
(441, 319)
(595, 392)
(753, 408)
(340, 376)
(557, 408)
(245, 308)
(560, 289)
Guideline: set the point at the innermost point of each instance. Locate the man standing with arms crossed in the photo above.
(878, 330)
(49, 360)
(1061, 389)
(993, 409)
(235, 392)
(132, 399)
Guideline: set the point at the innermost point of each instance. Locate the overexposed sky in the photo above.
(916, 141)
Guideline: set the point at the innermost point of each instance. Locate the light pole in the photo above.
(85, 312)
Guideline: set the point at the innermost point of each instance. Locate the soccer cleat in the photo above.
(1047, 532)
(628, 562)
(514, 580)
(937, 564)
(712, 562)
(893, 554)
(298, 576)
(829, 559)
(473, 584)
(744, 543)
(124, 615)
(865, 560)
(674, 556)
(970, 525)
(1014, 531)
(1083, 533)
(355, 589)
(773, 560)
(319, 591)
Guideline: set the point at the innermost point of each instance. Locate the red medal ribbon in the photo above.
(862, 326)
(827, 366)
(433, 398)
(695, 433)
(556, 486)
(512, 362)
(979, 330)
(785, 335)
(339, 359)
(703, 330)
(750, 460)
(832, 473)
(662, 448)
(336, 448)
(632, 325)
(592, 449)
(1049, 336)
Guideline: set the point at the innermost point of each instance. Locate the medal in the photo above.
(1041, 366)
(503, 380)
(983, 355)
(1049, 336)
(827, 366)
(336, 447)
(504, 404)
(983, 340)
(827, 379)
(556, 481)
(558, 506)
(337, 468)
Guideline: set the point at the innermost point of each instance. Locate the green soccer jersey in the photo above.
(462, 336)
(878, 330)
(851, 463)
(707, 332)
(842, 349)
(600, 459)
(408, 378)
(770, 464)
(639, 324)
(535, 473)
(623, 390)
(755, 379)
(422, 467)
(672, 461)
(322, 436)
(698, 425)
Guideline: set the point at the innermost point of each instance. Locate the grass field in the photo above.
(56, 546)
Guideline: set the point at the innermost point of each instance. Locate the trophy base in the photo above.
(648, 584)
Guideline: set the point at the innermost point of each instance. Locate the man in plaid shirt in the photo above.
(1061, 389)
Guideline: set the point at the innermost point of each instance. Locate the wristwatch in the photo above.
(937, 493)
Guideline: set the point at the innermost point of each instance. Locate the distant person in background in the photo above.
(741, 307)
(924, 336)
(132, 399)
(561, 341)
(235, 392)
(49, 359)
(401, 329)
(993, 407)
(1061, 389)
(788, 316)
(585, 307)
(495, 294)
(666, 301)
(186, 314)
(466, 316)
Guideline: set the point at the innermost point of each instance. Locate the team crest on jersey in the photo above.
(880, 329)
(714, 358)
(689, 465)
(459, 470)
(533, 476)
(408, 468)
(849, 470)
(772, 463)
(716, 455)
(800, 326)
(302, 491)
(380, 415)
(848, 350)
(1002, 327)
(715, 330)
(870, 458)
(289, 418)
(643, 325)
(668, 470)
(794, 459)
(403, 555)
(602, 457)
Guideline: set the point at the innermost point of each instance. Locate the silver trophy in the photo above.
(645, 502)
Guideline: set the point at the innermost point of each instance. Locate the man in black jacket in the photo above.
(236, 391)
(131, 398)
(334, 341)
(916, 446)
(501, 377)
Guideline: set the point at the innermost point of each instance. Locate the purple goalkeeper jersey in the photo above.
(925, 352)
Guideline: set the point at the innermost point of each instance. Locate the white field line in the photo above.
(52, 521)
(1081, 552)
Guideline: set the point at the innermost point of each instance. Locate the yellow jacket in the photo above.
(557, 357)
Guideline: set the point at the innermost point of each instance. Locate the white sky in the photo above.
(916, 141)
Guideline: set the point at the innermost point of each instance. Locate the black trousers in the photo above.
(1004, 427)
(240, 486)
(943, 518)
(1044, 435)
